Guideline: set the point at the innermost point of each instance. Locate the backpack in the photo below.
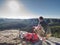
(32, 37)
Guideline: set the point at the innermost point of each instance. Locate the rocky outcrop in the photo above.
(9, 36)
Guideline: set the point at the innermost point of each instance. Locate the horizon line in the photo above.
(28, 18)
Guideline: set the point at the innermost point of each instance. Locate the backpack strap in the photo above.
(32, 36)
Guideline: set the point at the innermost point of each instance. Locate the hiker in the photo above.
(45, 26)
(42, 30)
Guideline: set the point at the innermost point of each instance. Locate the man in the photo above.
(45, 26)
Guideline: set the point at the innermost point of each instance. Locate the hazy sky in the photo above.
(29, 8)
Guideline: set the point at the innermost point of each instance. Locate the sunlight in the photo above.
(13, 5)
(16, 9)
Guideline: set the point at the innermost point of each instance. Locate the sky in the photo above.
(25, 9)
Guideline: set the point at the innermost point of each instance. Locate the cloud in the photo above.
(14, 9)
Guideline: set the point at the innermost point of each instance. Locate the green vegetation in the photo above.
(55, 31)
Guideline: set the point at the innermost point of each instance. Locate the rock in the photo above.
(9, 36)
(55, 40)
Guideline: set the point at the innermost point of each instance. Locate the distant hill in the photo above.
(24, 24)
